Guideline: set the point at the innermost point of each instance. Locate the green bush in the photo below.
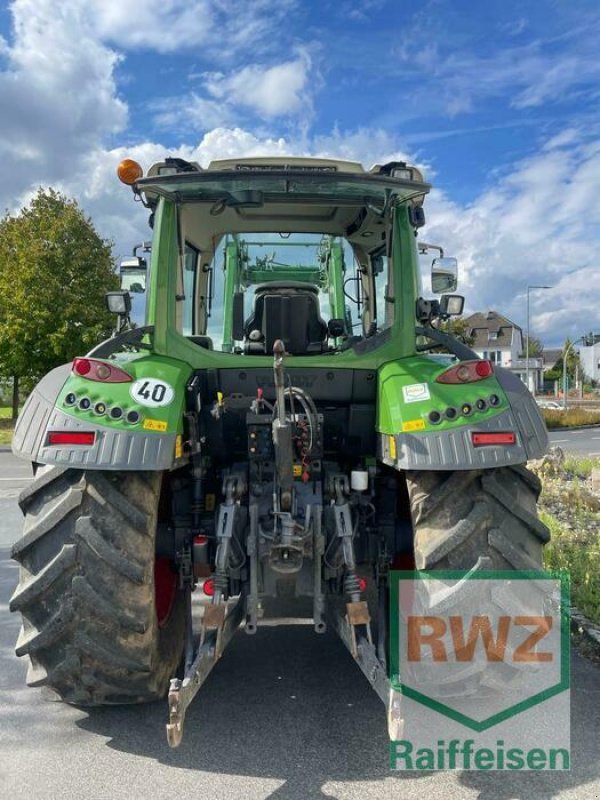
(578, 552)
(572, 512)
(570, 418)
(6, 430)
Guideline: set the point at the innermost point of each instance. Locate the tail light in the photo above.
(482, 439)
(95, 370)
(467, 372)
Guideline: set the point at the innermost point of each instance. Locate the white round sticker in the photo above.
(152, 392)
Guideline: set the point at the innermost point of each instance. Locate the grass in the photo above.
(572, 513)
(570, 418)
(7, 425)
(579, 554)
(580, 467)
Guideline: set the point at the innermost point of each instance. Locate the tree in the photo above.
(458, 328)
(54, 271)
(536, 348)
(573, 364)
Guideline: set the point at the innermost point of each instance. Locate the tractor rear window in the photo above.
(302, 288)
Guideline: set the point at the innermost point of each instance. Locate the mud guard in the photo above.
(113, 448)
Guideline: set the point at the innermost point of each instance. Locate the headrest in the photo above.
(285, 286)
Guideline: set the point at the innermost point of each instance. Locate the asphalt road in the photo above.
(583, 442)
(285, 715)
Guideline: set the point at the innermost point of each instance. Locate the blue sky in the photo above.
(497, 101)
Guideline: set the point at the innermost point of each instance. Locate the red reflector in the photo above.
(68, 437)
(200, 539)
(95, 370)
(362, 584)
(480, 439)
(209, 587)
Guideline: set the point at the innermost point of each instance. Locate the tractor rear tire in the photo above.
(473, 521)
(461, 517)
(86, 590)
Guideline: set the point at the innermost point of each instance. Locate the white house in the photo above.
(502, 342)
(589, 354)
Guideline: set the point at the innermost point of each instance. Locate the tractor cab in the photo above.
(306, 251)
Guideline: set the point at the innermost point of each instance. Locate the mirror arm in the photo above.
(424, 247)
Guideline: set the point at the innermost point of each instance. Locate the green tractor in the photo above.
(282, 431)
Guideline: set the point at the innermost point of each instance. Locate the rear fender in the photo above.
(152, 442)
(408, 439)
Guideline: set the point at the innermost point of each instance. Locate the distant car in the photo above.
(548, 404)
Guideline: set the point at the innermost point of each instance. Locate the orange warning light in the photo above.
(129, 171)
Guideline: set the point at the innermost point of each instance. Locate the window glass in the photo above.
(293, 262)
(189, 289)
(384, 307)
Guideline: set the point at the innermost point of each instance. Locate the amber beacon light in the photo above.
(129, 171)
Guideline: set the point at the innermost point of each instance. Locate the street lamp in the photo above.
(529, 288)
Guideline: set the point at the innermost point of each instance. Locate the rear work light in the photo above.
(467, 372)
(482, 439)
(71, 437)
(95, 370)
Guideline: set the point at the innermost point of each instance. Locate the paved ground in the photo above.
(285, 715)
(585, 442)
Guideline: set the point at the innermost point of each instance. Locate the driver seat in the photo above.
(288, 311)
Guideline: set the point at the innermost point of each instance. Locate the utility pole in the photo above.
(529, 288)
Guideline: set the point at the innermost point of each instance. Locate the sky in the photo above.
(497, 102)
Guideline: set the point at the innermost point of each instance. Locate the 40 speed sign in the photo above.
(152, 392)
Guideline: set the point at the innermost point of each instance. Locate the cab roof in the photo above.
(256, 181)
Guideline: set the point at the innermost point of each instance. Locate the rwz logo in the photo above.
(450, 639)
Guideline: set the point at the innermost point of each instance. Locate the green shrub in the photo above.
(572, 417)
(577, 550)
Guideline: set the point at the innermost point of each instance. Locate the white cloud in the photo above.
(268, 91)
(565, 137)
(162, 26)
(540, 225)
(219, 26)
(549, 82)
(457, 74)
(190, 113)
(57, 92)
(366, 145)
(271, 91)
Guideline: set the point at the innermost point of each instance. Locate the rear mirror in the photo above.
(451, 305)
(133, 275)
(444, 275)
(237, 322)
(118, 302)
